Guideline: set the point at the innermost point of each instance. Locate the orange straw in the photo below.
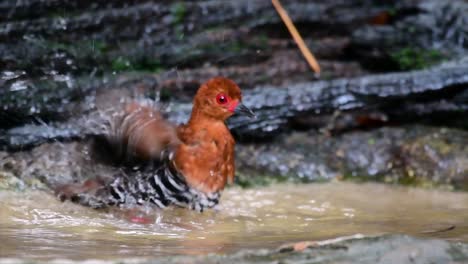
(296, 36)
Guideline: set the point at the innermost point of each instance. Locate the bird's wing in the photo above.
(143, 132)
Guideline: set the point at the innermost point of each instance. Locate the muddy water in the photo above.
(35, 225)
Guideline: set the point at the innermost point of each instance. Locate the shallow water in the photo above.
(36, 225)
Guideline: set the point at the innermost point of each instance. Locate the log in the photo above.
(401, 97)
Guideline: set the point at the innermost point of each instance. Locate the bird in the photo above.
(189, 164)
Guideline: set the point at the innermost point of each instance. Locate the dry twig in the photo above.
(296, 36)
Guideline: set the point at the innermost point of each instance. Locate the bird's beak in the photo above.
(242, 109)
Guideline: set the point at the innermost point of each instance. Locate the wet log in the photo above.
(412, 35)
(399, 97)
(100, 35)
(39, 17)
(408, 154)
(144, 34)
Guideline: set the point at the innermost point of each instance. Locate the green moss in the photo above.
(178, 11)
(392, 11)
(421, 182)
(82, 48)
(99, 46)
(101, 55)
(415, 58)
(165, 95)
(214, 28)
(247, 178)
(121, 64)
(150, 65)
(179, 32)
(262, 41)
(358, 178)
(234, 46)
(62, 13)
(407, 179)
(250, 179)
(9, 182)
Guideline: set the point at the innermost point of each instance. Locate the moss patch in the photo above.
(9, 182)
(178, 12)
(415, 58)
(120, 64)
(250, 179)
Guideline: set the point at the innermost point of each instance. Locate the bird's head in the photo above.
(220, 98)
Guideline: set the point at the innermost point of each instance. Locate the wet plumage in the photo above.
(186, 166)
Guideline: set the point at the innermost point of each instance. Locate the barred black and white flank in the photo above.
(162, 187)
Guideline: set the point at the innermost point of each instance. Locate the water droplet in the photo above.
(18, 86)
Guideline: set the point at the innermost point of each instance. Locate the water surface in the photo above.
(35, 225)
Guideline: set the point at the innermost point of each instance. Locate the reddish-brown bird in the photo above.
(193, 161)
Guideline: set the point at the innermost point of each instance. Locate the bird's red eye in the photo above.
(221, 98)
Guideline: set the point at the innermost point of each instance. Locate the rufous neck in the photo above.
(198, 117)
